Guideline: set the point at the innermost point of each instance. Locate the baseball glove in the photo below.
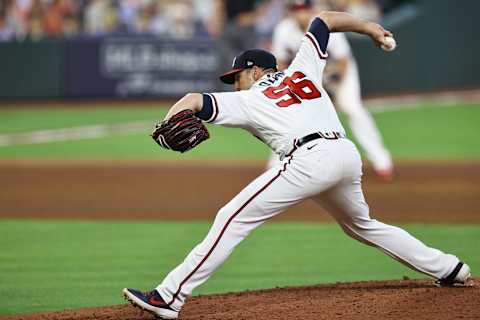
(182, 132)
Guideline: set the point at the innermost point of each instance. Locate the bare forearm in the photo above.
(192, 101)
(344, 22)
(217, 21)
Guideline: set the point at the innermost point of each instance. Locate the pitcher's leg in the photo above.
(268, 195)
(347, 205)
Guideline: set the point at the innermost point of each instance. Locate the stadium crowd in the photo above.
(178, 19)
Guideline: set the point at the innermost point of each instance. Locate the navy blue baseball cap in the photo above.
(247, 59)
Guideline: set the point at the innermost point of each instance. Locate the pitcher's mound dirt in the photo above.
(406, 299)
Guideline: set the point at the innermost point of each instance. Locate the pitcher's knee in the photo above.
(361, 227)
(366, 224)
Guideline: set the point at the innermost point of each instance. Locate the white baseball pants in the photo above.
(330, 173)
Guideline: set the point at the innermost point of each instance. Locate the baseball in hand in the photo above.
(389, 44)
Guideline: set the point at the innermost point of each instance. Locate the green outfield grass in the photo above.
(53, 265)
(22, 120)
(423, 132)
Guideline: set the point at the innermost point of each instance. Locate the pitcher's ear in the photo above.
(257, 72)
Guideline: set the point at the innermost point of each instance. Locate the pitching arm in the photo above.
(344, 22)
(192, 101)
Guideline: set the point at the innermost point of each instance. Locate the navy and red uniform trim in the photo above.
(215, 108)
(209, 110)
(319, 34)
(225, 228)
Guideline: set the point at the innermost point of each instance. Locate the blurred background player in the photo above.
(341, 80)
(233, 22)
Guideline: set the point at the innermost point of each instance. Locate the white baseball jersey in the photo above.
(282, 106)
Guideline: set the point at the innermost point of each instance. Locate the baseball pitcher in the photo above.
(291, 113)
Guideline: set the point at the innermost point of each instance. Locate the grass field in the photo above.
(424, 132)
(53, 265)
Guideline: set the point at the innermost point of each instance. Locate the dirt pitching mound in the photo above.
(406, 299)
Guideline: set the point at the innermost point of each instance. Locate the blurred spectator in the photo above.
(16, 16)
(70, 25)
(181, 21)
(53, 18)
(128, 13)
(37, 19)
(204, 11)
(240, 24)
(145, 16)
(159, 22)
(101, 17)
(34, 23)
(6, 32)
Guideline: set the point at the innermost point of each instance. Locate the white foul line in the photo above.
(379, 105)
(75, 133)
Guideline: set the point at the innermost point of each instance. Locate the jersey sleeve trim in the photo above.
(207, 108)
(320, 32)
(312, 39)
(215, 108)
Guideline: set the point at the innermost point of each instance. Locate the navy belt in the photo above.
(319, 135)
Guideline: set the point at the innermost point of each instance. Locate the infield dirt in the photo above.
(422, 192)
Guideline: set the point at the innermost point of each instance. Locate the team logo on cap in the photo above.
(233, 63)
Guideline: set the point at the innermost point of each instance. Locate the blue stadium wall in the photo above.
(438, 49)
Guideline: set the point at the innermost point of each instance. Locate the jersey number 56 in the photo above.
(295, 88)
